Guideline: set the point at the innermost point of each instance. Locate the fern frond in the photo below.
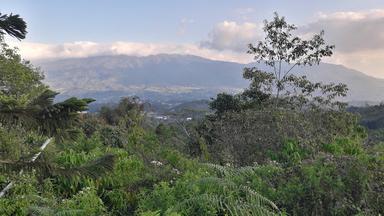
(226, 171)
(68, 212)
(227, 198)
(39, 211)
(239, 199)
(222, 205)
(93, 169)
(49, 211)
(257, 198)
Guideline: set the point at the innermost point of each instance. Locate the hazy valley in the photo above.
(168, 77)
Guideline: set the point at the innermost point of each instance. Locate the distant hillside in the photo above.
(195, 106)
(180, 77)
(371, 117)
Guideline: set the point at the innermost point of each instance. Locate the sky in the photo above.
(215, 29)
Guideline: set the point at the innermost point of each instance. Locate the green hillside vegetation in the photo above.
(284, 146)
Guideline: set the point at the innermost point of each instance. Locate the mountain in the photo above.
(171, 77)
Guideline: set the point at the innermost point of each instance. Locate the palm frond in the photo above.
(45, 99)
(93, 169)
(61, 116)
(41, 114)
(13, 25)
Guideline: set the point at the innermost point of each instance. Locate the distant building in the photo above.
(161, 117)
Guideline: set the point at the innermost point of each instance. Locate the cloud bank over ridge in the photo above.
(81, 49)
(358, 36)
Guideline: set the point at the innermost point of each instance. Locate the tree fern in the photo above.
(42, 115)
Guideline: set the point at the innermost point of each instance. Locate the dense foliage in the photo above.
(284, 146)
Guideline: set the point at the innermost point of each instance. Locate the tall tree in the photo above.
(277, 85)
(281, 46)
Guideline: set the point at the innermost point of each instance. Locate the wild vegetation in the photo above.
(284, 146)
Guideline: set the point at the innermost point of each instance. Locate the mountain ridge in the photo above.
(179, 74)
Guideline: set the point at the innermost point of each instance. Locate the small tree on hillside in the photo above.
(278, 106)
(281, 51)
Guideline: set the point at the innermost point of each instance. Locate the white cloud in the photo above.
(36, 51)
(352, 15)
(351, 31)
(358, 37)
(229, 35)
(66, 50)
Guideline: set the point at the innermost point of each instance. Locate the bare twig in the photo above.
(10, 184)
